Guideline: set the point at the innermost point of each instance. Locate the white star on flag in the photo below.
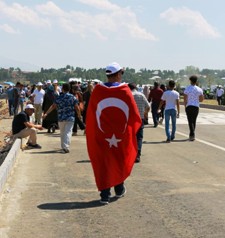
(113, 141)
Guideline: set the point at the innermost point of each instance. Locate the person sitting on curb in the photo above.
(22, 127)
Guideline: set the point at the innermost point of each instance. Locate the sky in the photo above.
(151, 34)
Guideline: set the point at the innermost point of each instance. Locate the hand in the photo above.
(44, 115)
(178, 115)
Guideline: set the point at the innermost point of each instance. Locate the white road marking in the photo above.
(201, 141)
(204, 119)
(217, 118)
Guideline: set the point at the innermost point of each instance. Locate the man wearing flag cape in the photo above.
(112, 122)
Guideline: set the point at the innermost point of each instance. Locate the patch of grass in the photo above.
(210, 102)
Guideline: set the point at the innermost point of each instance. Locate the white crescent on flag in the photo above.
(111, 102)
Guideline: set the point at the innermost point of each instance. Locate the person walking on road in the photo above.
(143, 107)
(219, 94)
(112, 123)
(9, 98)
(170, 99)
(66, 105)
(193, 95)
(38, 96)
(155, 97)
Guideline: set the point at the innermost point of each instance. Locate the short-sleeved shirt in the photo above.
(193, 92)
(170, 97)
(18, 122)
(155, 95)
(65, 106)
(10, 93)
(141, 101)
(39, 96)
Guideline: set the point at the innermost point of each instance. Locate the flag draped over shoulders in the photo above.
(111, 126)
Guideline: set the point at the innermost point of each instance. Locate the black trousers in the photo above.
(192, 114)
(105, 194)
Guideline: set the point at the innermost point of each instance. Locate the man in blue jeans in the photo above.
(171, 98)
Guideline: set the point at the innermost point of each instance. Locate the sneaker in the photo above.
(138, 159)
(168, 141)
(121, 194)
(74, 134)
(191, 138)
(36, 146)
(104, 201)
(66, 150)
(161, 121)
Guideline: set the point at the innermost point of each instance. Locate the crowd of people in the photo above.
(48, 106)
(112, 116)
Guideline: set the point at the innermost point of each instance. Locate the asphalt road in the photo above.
(178, 189)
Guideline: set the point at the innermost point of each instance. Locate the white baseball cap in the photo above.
(39, 84)
(55, 81)
(29, 106)
(48, 81)
(113, 68)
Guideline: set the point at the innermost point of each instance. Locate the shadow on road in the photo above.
(72, 205)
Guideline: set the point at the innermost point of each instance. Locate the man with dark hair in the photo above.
(171, 99)
(155, 97)
(192, 96)
(16, 97)
(111, 126)
(66, 105)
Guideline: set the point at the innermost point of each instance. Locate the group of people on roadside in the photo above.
(115, 114)
(55, 107)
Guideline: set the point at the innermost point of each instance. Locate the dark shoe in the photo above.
(172, 137)
(120, 195)
(191, 138)
(104, 201)
(138, 159)
(168, 141)
(66, 151)
(36, 146)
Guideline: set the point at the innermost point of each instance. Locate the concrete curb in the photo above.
(7, 165)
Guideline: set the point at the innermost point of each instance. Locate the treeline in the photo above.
(207, 77)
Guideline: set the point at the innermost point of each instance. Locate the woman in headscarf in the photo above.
(50, 122)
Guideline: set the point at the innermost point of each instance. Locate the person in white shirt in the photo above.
(192, 96)
(38, 96)
(171, 99)
(219, 94)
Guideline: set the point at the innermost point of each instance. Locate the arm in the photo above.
(53, 106)
(185, 100)
(160, 105)
(178, 107)
(201, 98)
(77, 108)
(31, 125)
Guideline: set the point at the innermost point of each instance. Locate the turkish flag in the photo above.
(112, 122)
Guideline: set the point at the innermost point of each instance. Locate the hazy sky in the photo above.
(152, 34)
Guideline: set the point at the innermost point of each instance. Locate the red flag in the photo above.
(112, 122)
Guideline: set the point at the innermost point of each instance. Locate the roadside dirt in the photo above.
(5, 131)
